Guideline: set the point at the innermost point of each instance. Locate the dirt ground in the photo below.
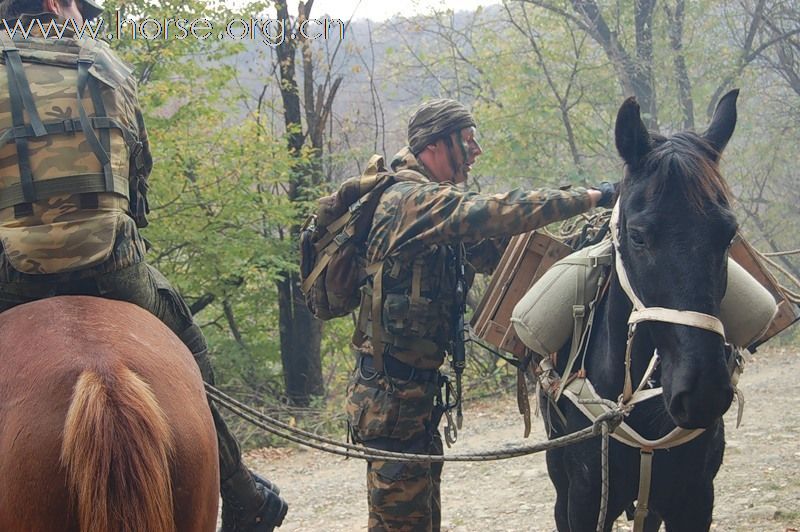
(758, 488)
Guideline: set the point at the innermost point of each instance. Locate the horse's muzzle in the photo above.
(699, 407)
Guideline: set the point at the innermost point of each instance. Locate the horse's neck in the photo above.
(606, 359)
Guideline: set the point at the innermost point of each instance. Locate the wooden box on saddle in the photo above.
(788, 312)
(525, 260)
(530, 255)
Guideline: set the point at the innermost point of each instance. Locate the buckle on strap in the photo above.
(341, 239)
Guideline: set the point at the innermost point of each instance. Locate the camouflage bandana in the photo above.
(435, 119)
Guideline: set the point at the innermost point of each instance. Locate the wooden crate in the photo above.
(788, 312)
(529, 255)
(526, 259)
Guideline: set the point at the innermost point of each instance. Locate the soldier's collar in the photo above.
(405, 160)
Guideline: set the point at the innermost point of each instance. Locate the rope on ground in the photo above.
(610, 420)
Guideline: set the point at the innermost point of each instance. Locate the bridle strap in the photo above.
(680, 317)
(641, 312)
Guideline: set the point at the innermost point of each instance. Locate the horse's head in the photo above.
(675, 227)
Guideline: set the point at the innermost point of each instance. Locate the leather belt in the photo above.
(396, 369)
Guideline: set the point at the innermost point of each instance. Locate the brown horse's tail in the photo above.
(116, 451)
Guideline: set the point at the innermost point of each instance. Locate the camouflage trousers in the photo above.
(399, 416)
(146, 287)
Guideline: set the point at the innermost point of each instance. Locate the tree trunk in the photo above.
(301, 335)
(300, 332)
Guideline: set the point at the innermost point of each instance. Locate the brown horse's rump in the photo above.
(138, 384)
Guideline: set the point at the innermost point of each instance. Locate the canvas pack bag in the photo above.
(333, 243)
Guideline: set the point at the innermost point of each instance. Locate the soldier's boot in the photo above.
(251, 503)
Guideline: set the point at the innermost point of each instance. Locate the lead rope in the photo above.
(601, 518)
(610, 419)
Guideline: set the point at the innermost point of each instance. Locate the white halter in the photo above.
(642, 313)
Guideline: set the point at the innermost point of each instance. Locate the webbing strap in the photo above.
(325, 257)
(578, 314)
(105, 137)
(333, 229)
(583, 395)
(21, 99)
(78, 184)
(416, 280)
(643, 498)
(681, 317)
(84, 63)
(17, 72)
(377, 318)
(68, 125)
(322, 261)
(403, 343)
(580, 334)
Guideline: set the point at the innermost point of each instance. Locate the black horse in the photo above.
(675, 226)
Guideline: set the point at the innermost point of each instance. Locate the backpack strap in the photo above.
(409, 175)
(99, 147)
(21, 99)
(579, 310)
(327, 247)
(377, 318)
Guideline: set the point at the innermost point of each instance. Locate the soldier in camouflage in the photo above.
(74, 166)
(420, 224)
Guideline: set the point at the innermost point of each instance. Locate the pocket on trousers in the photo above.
(372, 412)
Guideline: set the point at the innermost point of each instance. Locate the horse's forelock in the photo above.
(687, 161)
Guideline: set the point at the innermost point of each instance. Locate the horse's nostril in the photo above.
(679, 407)
(692, 411)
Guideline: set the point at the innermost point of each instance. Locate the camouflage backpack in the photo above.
(66, 123)
(332, 243)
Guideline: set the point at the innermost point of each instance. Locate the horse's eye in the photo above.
(636, 237)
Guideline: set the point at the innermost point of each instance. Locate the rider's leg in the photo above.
(248, 501)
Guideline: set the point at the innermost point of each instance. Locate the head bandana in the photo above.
(435, 119)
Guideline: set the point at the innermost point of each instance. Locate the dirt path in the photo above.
(758, 488)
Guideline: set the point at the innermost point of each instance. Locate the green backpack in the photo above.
(333, 264)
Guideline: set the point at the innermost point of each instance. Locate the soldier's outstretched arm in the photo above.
(432, 213)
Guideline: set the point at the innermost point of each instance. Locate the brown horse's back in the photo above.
(139, 408)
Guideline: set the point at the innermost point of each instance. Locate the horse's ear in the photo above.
(632, 138)
(723, 122)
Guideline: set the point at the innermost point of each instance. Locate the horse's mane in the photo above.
(689, 162)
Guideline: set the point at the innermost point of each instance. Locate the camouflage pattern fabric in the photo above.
(64, 248)
(419, 222)
(434, 119)
(60, 235)
(394, 415)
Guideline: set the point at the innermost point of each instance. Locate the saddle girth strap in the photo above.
(643, 498)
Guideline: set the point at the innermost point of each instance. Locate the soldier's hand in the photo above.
(608, 194)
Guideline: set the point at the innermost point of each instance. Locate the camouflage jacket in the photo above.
(417, 226)
(67, 233)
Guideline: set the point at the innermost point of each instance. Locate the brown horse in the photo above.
(104, 424)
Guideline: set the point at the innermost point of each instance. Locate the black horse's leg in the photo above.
(558, 476)
(582, 466)
(692, 513)
(652, 523)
